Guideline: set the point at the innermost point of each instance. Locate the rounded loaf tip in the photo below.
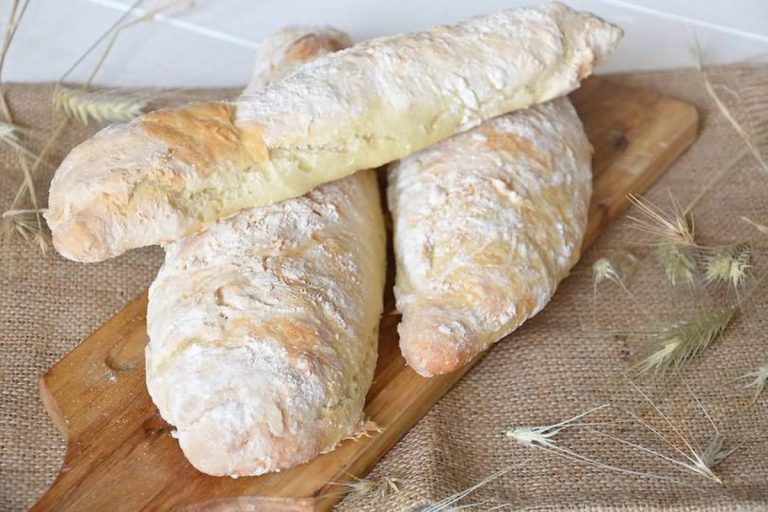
(99, 203)
(435, 342)
(247, 410)
(78, 238)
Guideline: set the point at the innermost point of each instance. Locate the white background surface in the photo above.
(213, 41)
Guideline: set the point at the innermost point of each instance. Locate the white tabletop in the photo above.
(213, 41)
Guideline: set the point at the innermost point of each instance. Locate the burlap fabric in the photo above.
(561, 363)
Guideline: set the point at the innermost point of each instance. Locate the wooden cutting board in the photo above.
(121, 455)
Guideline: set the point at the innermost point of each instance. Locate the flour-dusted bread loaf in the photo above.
(264, 328)
(172, 172)
(486, 224)
(290, 48)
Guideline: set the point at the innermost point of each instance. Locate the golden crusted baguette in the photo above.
(170, 173)
(486, 224)
(263, 329)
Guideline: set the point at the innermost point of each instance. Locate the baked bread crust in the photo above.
(170, 173)
(486, 224)
(264, 328)
(288, 49)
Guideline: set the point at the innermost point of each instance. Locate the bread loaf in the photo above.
(264, 328)
(291, 47)
(170, 173)
(486, 224)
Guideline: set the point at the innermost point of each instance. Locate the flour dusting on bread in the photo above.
(486, 224)
(263, 328)
(356, 109)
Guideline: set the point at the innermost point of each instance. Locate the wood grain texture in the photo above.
(121, 455)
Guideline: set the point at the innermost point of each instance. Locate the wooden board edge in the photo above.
(52, 407)
(608, 213)
(50, 381)
(380, 445)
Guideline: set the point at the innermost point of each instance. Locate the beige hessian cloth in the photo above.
(561, 363)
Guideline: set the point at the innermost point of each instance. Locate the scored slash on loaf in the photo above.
(264, 328)
(171, 173)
